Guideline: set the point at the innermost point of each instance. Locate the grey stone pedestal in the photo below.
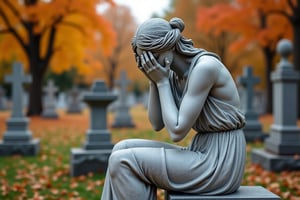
(284, 141)
(243, 193)
(94, 154)
(85, 161)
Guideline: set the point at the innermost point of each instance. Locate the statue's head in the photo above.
(158, 35)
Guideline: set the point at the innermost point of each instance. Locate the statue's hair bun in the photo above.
(177, 23)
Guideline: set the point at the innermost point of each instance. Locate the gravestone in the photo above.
(49, 108)
(18, 139)
(3, 101)
(61, 100)
(94, 154)
(253, 128)
(74, 101)
(122, 116)
(282, 147)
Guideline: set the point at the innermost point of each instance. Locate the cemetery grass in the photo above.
(47, 175)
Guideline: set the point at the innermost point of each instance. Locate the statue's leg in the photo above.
(136, 173)
(134, 143)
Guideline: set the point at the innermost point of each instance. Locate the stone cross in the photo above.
(123, 83)
(248, 81)
(17, 78)
(122, 116)
(18, 139)
(49, 110)
(253, 128)
(50, 90)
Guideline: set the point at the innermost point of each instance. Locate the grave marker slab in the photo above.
(284, 141)
(93, 156)
(18, 139)
(49, 109)
(253, 128)
(74, 101)
(122, 116)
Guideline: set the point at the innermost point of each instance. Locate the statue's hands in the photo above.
(154, 71)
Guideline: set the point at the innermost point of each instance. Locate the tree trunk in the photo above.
(35, 106)
(269, 56)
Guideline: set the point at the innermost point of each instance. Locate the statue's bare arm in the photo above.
(154, 108)
(179, 122)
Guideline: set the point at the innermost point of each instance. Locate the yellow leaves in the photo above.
(78, 27)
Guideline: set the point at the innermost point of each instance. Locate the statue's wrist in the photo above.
(163, 83)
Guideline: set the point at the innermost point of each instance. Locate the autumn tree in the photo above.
(51, 33)
(124, 26)
(253, 23)
(188, 11)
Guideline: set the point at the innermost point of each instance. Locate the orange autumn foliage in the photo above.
(253, 21)
(77, 25)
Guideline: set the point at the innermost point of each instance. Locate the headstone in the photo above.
(253, 128)
(122, 116)
(282, 147)
(243, 193)
(3, 100)
(61, 100)
(74, 101)
(93, 156)
(18, 139)
(49, 108)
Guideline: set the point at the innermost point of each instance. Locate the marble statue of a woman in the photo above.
(190, 88)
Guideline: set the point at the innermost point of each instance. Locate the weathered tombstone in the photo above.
(49, 109)
(18, 139)
(122, 116)
(253, 128)
(3, 101)
(74, 101)
(61, 100)
(93, 156)
(283, 144)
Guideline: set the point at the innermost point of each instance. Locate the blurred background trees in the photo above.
(56, 34)
(76, 41)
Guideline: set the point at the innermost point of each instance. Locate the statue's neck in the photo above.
(181, 65)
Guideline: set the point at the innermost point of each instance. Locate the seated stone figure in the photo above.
(190, 88)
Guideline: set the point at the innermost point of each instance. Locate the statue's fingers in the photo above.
(145, 65)
(152, 59)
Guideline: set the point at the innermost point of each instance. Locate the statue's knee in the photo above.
(116, 160)
(120, 145)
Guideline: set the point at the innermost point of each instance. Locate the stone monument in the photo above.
(93, 156)
(74, 101)
(18, 139)
(253, 128)
(122, 116)
(283, 145)
(49, 108)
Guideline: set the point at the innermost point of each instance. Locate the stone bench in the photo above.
(243, 193)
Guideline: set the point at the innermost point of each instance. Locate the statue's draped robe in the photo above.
(213, 163)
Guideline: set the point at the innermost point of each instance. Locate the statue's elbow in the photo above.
(157, 127)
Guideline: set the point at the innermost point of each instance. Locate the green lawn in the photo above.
(47, 175)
